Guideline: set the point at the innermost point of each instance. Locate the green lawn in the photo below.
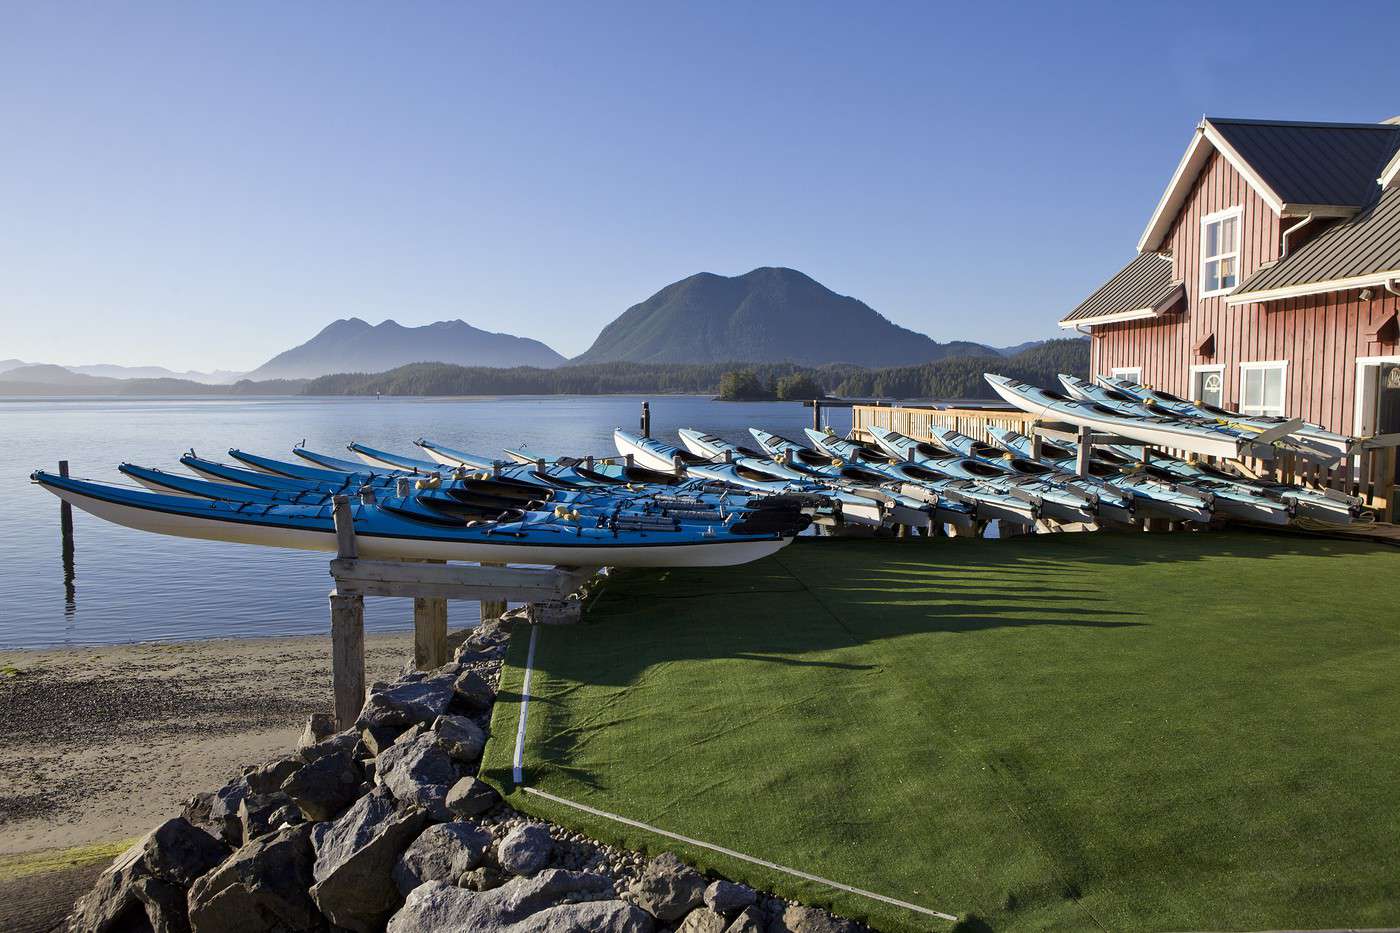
(1124, 732)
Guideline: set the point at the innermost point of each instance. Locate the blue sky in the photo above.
(204, 185)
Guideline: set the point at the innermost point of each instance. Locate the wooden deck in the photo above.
(1369, 474)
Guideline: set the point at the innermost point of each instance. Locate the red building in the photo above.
(1268, 278)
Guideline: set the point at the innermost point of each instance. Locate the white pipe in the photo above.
(1293, 229)
(1391, 287)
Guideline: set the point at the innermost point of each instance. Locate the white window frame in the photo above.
(1207, 368)
(1365, 422)
(1238, 213)
(1281, 365)
(1132, 372)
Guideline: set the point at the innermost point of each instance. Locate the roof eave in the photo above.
(1391, 173)
(1312, 288)
(1137, 314)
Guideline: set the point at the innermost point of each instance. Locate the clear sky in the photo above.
(205, 184)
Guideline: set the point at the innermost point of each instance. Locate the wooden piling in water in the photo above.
(65, 512)
(347, 629)
(646, 419)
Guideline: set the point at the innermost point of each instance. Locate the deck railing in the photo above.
(1369, 473)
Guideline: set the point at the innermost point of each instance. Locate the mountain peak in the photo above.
(769, 314)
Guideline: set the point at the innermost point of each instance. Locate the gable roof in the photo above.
(1143, 288)
(1325, 169)
(1355, 253)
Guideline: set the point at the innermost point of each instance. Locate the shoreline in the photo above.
(104, 741)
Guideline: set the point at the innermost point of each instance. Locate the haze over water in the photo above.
(131, 586)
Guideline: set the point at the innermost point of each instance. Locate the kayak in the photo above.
(1314, 435)
(654, 454)
(709, 445)
(382, 458)
(1153, 497)
(1207, 440)
(389, 530)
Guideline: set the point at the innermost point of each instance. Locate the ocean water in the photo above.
(128, 586)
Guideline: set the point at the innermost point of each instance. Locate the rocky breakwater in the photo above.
(387, 826)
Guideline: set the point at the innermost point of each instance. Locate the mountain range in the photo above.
(769, 315)
(355, 346)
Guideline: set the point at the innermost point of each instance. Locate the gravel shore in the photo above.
(104, 743)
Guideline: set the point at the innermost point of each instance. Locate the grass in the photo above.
(1070, 731)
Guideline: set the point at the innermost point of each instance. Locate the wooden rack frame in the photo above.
(430, 585)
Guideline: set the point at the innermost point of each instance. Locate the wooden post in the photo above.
(1081, 463)
(429, 632)
(347, 657)
(816, 414)
(646, 419)
(65, 512)
(493, 608)
(347, 629)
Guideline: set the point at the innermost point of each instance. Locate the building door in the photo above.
(1208, 385)
(1388, 399)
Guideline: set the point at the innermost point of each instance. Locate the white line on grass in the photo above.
(519, 762)
(714, 848)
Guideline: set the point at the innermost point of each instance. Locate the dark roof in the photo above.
(1362, 245)
(1314, 163)
(1145, 283)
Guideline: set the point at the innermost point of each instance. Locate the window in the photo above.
(1131, 373)
(1208, 385)
(1220, 252)
(1262, 387)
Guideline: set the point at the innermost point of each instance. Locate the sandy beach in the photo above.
(103, 743)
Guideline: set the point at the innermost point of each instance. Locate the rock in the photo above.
(668, 888)
(324, 788)
(319, 727)
(471, 797)
(727, 898)
(589, 917)
(750, 920)
(223, 809)
(340, 742)
(196, 809)
(799, 919)
(263, 887)
(461, 738)
(262, 813)
(164, 904)
(525, 849)
(702, 920)
(442, 853)
(178, 852)
(112, 904)
(409, 734)
(407, 702)
(483, 879)
(443, 908)
(419, 773)
(355, 858)
(268, 778)
(474, 692)
(378, 738)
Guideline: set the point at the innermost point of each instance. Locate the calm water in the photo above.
(128, 586)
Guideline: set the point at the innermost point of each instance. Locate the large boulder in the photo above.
(419, 773)
(178, 852)
(471, 797)
(223, 809)
(444, 908)
(268, 778)
(702, 920)
(668, 888)
(461, 738)
(728, 898)
(408, 701)
(588, 917)
(525, 849)
(347, 741)
(442, 853)
(112, 904)
(319, 727)
(797, 918)
(325, 787)
(262, 813)
(164, 904)
(474, 692)
(261, 889)
(750, 920)
(355, 859)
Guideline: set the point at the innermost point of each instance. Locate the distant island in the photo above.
(770, 333)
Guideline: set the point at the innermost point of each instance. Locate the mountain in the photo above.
(768, 315)
(355, 346)
(110, 370)
(49, 374)
(1020, 348)
(7, 365)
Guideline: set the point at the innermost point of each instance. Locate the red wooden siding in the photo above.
(1320, 336)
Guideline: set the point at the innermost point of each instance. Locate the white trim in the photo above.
(1390, 172)
(1313, 288)
(636, 824)
(1364, 399)
(1206, 368)
(1136, 314)
(1135, 372)
(1246, 171)
(1236, 212)
(518, 763)
(1282, 365)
